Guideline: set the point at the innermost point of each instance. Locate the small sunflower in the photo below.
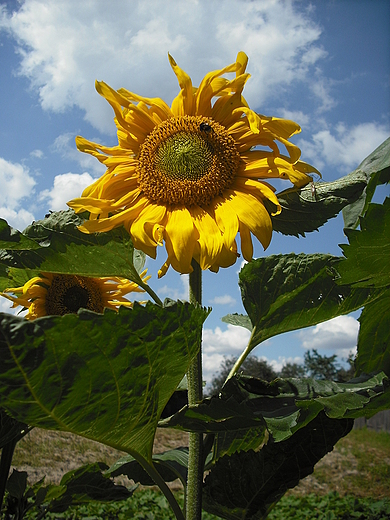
(59, 294)
(191, 175)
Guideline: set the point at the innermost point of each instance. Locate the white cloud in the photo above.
(65, 187)
(339, 335)
(218, 343)
(176, 293)
(226, 299)
(16, 186)
(65, 145)
(64, 46)
(16, 183)
(37, 154)
(344, 147)
(18, 219)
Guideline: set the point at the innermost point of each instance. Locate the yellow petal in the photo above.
(210, 237)
(183, 104)
(180, 238)
(246, 242)
(142, 227)
(227, 221)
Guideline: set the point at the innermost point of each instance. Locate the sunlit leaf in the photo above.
(105, 377)
(246, 485)
(12, 239)
(287, 292)
(368, 252)
(376, 167)
(66, 250)
(306, 209)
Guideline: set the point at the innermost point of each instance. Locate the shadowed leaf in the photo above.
(246, 485)
(105, 377)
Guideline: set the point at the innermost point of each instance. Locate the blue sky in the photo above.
(324, 64)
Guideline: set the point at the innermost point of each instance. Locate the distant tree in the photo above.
(252, 366)
(345, 374)
(320, 367)
(292, 370)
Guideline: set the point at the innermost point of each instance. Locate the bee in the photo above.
(204, 127)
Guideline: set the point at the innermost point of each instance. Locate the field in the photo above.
(353, 481)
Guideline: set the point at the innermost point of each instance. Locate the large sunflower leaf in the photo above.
(308, 208)
(171, 464)
(63, 249)
(287, 292)
(374, 337)
(283, 406)
(377, 168)
(368, 252)
(246, 485)
(12, 239)
(105, 377)
(10, 429)
(84, 484)
(366, 264)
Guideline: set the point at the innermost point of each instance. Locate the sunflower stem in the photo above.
(243, 357)
(195, 384)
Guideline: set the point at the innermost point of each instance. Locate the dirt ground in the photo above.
(52, 454)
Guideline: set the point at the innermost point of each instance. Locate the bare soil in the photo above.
(358, 465)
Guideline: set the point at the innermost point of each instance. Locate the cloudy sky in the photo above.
(324, 63)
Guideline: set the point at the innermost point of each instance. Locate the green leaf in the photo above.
(66, 250)
(368, 252)
(105, 377)
(308, 208)
(171, 464)
(239, 320)
(376, 167)
(374, 337)
(235, 425)
(10, 429)
(83, 485)
(12, 239)
(283, 406)
(287, 292)
(246, 485)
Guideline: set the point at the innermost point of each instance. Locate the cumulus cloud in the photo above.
(225, 299)
(176, 293)
(65, 146)
(344, 147)
(338, 335)
(17, 185)
(218, 343)
(65, 187)
(126, 44)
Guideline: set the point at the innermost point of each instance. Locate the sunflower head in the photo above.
(192, 175)
(60, 294)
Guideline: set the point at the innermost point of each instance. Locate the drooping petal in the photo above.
(183, 104)
(210, 237)
(180, 237)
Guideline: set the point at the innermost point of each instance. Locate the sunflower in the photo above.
(192, 175)
(59, 294)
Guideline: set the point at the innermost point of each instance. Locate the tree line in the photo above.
(314, 365)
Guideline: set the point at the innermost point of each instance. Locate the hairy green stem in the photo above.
(155, 475)
(195, 383)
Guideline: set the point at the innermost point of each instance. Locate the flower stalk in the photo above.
(195, 383)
